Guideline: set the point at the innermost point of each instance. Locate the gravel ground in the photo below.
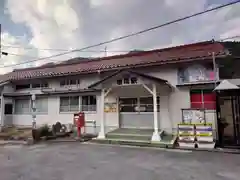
(72, 161)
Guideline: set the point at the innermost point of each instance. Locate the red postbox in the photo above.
(79, 121)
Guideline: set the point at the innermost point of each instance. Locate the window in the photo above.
(128, 104)
(22, 106)
(133, 80)
(203, 99)
(66, 82)
(143, 104)
(119, 82)
(39, 85)
(42, 105)
(63, 83)
(89, 103)
(8, 109)
(146, 104)
(36, 85)
(69, 104)
(22, 86)
(127, 80)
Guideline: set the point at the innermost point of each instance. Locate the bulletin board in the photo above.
(193, 116)
(110, 107)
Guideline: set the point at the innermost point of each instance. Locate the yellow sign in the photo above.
(110, 107)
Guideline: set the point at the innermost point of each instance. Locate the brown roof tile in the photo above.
(177, 54)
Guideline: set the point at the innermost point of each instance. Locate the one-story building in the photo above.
(141, 90)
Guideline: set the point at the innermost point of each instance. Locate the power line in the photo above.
(32, 48)
(20, 55)
(132, 34)
(232, 37)
(52, 49)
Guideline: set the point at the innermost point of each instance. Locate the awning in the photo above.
(228, 85)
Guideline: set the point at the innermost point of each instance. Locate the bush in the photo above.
(40, 132)
(44, 131)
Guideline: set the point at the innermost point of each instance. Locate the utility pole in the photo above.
(214, 69)
(105, 51)
(33, 98)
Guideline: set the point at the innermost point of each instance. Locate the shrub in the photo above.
(40, 132)
(44, 131)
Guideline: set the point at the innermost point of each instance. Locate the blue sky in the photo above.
(70, 24)
(9, 25)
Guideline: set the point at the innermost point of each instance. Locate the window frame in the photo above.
(36, 102)
(23, 86)
(137, 103)
(127, 80)
(91, 107)
(41, 85)
(69, 110)
(22, 112)
(69, 82)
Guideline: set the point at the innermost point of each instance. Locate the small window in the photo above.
(72, 81)
(133, 80)
(89, 103)
(36, 85)
(63, 83)
(22, 86)
(39, 85)
(119, 82)
(45, 85)
(8, 109)
(126, 80)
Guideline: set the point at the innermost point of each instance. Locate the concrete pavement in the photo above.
(71, 161)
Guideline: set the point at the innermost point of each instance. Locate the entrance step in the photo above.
(168, 141)
(129, 137)
(132, 131)
(131, 134)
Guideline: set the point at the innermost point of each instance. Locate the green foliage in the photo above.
(40, 132)
(44, 130)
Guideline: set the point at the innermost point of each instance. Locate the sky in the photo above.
(72, 24)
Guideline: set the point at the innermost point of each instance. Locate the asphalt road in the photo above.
(100, 162)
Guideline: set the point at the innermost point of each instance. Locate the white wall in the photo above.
(54, 116)
(171, 103)
(111, 118)
(85, 81)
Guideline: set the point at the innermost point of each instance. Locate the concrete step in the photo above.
(129, 142)
(129, 137)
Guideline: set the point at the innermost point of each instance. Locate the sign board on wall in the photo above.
(193, 116)
(110, 107)
(196, 73)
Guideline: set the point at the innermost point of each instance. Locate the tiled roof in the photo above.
(176, 54)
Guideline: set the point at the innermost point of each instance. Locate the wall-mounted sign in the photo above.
(196, 73)
(110, 107)
(192, 116)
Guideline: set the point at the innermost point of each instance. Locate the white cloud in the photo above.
(65, 24)
(11, 59)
